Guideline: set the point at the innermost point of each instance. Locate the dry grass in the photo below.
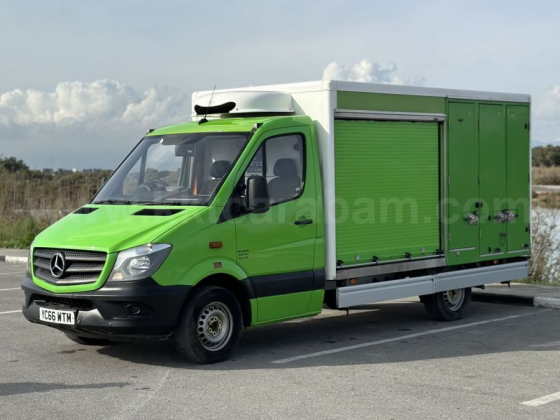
(546, 175)
(549, 200)
(545, 237)
(27, 206)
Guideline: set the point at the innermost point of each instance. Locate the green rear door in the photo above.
(492, 161)
(518, 172)
(462, 181)
(387, 190)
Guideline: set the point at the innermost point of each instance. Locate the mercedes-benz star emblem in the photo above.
(58, 265)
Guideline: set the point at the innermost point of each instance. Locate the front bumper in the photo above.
(135, 309)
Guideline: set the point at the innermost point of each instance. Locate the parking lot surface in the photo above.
(384, 361)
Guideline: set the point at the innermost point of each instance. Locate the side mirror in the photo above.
(257, 195)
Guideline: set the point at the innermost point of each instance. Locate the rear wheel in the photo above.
(87, 341)
(210, 326)
(449, 305)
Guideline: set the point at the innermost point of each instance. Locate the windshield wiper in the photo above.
(113, 202)
(169, 203)
(178, 203)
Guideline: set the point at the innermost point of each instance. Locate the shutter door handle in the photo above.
(303, 222)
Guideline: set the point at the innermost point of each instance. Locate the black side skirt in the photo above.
(283, 284)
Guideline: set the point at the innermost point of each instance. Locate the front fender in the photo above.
(211, 267)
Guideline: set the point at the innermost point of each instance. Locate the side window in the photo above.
(281, 161)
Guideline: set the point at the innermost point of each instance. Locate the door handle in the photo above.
(303, 222)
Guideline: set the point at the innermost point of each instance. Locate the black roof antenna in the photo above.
(204, 120)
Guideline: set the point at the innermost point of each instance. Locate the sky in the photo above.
(81, 82)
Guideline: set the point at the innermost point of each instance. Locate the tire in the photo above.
(210, 326)
(449, 305)
(87, 341)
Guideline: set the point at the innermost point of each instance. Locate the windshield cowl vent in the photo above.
(157, 212)
(86, 210)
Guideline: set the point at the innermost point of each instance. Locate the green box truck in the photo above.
(275, 201)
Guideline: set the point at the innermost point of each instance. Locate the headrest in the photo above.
(285, 167)
(219, 168)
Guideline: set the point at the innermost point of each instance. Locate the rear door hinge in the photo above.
(479, 125)
(479, 179)
(479, 233)
(449, 237)
(449, 180)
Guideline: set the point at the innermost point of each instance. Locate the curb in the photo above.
(542, 302)
(14, 260)
(546, 302)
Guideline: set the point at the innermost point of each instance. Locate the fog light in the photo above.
(133, 309)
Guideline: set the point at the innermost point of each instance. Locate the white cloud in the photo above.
(84, 124)
(547, 106)
(90, 104)
(369, 71)
(546, 113)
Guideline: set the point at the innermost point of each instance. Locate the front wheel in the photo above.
(449, 305)
(210, 326)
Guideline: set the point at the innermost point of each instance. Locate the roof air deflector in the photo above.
(236, 103)
(215, 109)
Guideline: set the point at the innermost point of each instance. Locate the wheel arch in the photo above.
(241, 289)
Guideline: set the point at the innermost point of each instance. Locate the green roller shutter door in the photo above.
(387, 190)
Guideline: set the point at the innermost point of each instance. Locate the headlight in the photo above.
(29, 256)
(140, 262)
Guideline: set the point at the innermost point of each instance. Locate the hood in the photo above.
(112, 228)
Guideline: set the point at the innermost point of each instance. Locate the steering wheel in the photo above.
(155, 184)
(149, 186)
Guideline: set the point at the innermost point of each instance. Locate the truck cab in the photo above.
(183, 212)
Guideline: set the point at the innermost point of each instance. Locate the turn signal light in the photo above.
(215, 245)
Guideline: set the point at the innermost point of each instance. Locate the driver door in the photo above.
(276, 248)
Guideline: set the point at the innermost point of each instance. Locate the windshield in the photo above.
(175, 169)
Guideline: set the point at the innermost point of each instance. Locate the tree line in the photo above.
(14, 168)
(546, 156)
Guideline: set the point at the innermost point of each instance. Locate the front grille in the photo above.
(82, 267)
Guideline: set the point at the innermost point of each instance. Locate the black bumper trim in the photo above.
(101, 313)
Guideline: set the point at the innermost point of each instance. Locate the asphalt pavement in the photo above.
(383, 361)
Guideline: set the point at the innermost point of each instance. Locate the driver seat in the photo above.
(217, 171)
(287, 183)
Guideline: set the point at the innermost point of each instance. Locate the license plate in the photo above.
(57, 317)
